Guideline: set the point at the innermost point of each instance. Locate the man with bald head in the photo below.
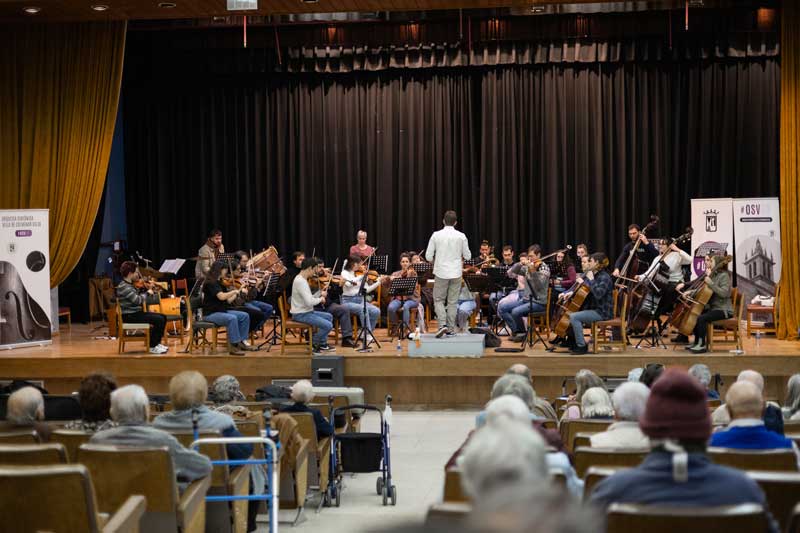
(772, 416)
(747, 430)
(25, 408)
(541, 407)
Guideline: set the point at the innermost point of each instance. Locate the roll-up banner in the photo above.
(712, 220)
(757, 230)
(24, 277)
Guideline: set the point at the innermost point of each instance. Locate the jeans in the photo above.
(578, 319)
(236, 322)
(355, 304)
(701, 328)
(342, 314)
(264, 307)
(318, 319)
(156, 320)
(514, 313)
(505, 305)
(465, 309)
(446, 290)
(395, 305)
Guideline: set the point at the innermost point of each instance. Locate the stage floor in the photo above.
(440, 382)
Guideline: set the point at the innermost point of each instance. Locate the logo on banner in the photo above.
(711, 220)
(705, 249)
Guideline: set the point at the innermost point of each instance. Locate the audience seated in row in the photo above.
(773, 417)
(25, 409)
(629, 400)
(596, 404)
(224, 391)
(303, 393)
(584, 380)
(651, 373)
(541, 407)
(791, 407)
(703, 375)
(94, 396)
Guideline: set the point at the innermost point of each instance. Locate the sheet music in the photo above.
(171, 266)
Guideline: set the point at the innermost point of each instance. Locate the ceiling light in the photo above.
(32, 10)
(167, 5)
(100, 7)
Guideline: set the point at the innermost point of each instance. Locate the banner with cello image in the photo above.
(24, 277)
(712, 220)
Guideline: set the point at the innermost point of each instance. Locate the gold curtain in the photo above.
(789, 311)
(59, 88)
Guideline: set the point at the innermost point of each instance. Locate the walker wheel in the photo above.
(393, 495)
(379, 485)
(385, 493)
(337, 496)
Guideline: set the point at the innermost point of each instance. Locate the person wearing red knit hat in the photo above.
(677, 472)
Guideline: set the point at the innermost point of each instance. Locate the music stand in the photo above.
(532, 332)
(423, 270)
(500, 284)
(365, 336)
(654, 328)
(380, 263)
(477, 283)
(271, 290)
(402, 287)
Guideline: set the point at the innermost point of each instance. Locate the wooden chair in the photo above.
(779, 460)
(729, 325)
(756, 309)
(542, 321)
(288, 325)
(548, 423)
(599, 328)
(198, 328)
(628, 517)
(572, 426)
(181, 284)
(32, 454)
(19, 436)
(224, 480)
(713, 404)
(174, 320)
(791, 427)
(584, 438)
(593, 476)
(118, 471)
(293, 469)
(319, 450)
(607, 457)
(130, 332)
(65, 311)
(447, 516)
(71, 439)
(61, 498)
(782, 490)
(453, 492)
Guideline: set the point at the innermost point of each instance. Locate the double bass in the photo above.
(631, 266)
(694, 300)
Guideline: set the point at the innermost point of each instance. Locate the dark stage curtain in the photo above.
(553, 153)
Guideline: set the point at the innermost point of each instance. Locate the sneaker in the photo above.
(518, 337)
(580, 350)
(327, 348)
(161, 346)
(690, 347)
(316, 350)
(247, 348)
(441, 332)
(699, 348)
(234, 350)
(155, 350)
(347, 342)
(450, 333)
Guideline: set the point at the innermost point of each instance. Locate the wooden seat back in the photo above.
(607, 457)
(743, 518)
(447, 516)
(782, 490)
(19, 436)
(453, 491)
(32, 454)
(593, 476)
(572, 426)
(71, 439)
(780, 460)
(220, 475)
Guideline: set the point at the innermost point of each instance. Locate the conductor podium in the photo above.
(460, 345)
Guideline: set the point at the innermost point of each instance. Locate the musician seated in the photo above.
(352, 281)
(339, 312)
(668, 264)
(582, 251)
(218, 309)
(535, 273)
(242, 258)
(484, 251)
(285, 283)
(407, 303)
(600, 303)
(719, 307)
(507, 261)
(304, 301)
(361, 248)
(131, 305)
(466, 306)
(208, 253)
(564, 274)
(644, 253)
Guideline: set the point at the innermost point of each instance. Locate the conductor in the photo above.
(447, 248)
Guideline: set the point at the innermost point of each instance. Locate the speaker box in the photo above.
(327, 371)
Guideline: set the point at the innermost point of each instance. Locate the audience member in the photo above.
(596, 404)
(25, 409)
(747, 430)
(651, 373)
(584, 380)
(773, 417)
(130, 409)
(635, 374)
(94, 396)
(791, 407)
(701, 373)
(629, 401)
(678, 471)
(541, 407)
(224, 391)
(302, 394)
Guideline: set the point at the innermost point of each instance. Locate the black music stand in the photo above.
(477, 283)
(654, 329)
(365, 336)
(500, 283)
(271, 290)
(402, 287)
(423, 270)
(380, 263)
(532, 332)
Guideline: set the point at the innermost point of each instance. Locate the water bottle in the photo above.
(399, 347)
(417, 338)
(758, 339)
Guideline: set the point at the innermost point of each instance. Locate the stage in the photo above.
(413, 382)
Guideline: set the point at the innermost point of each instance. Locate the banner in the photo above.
(712, 220)
(24, 277)
(757, 229)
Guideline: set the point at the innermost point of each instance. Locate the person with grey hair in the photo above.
(25, 409)
(629, 400)
(130, 409)
(511, 385)
(502, 454)
(702, 374)
(635, 374)
(596, 404)
(541, 407)
(224, 391)
(791, 407)
(772, 416)
(302, 393)
(584, 380)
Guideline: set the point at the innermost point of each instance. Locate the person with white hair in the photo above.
(302, 393)
(773, 417)
(25, 408)
(511, 385)
(702, 374)
(629, 400)
(130, 409)
(541, 407)
(635, 374)
(585, 379)
(791, 407)
(596, 404)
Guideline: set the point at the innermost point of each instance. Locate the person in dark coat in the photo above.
(302, 394)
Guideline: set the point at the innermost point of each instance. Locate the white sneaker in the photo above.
(156, 350)
(163, 347)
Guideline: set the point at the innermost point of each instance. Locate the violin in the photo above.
(146, 284)
(372, 275)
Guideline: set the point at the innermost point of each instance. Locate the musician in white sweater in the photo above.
(303, 302)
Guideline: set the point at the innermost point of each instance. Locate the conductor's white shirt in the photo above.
(447, 248)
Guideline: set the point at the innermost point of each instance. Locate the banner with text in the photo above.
(757, 230)
(712, 220)
(24, 277)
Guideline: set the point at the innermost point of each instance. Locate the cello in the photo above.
(573, 304)
(693, 301)
(21, 318)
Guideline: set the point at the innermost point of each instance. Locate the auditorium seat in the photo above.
(319, 450)
(607, 457)
(780, 460)
(61, 498)
(19, 436)
(71, 439)
(119, 471)
(452, 486)
(571, 427)
(447, 516)
(628, 517)
(32, 454)
(294, 482)
(593, 476)
(794, 520)
(782, 490)
(582, 439)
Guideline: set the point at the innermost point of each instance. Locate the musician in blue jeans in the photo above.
(303, 302)
(599, 305)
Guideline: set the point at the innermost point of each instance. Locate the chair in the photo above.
(293, 466)
(794, 520)
(447, 516)
(118, 471)
(713, 404)
(32, 454)
(19, 436)
(130, 332)
(174, 320)
(198, 328)
(607, 457)
(742, 518)
(600, 328)
(782, 490)
(288, 325)
(65, 311)
(732, 324)
(180, 284)
(584, 438)
(61, 498)
(756, 309)
(71, 439)
(780, 460)
(548, 423)
(542, 321)
(572, 426)
(319, 450)
(593, 476)
(453, 492)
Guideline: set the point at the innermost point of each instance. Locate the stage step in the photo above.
(462, 345)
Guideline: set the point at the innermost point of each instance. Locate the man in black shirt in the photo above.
(645, 253)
